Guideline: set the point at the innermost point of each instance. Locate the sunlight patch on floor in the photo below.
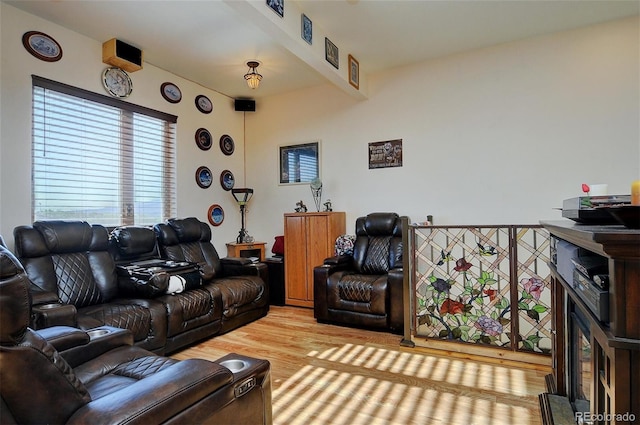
(341, 394)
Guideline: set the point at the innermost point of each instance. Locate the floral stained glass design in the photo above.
(482, 285)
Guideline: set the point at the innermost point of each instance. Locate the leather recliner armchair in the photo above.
(244, 286)
(365, 289)
(67, 375)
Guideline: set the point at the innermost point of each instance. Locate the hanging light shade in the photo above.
(252, 77)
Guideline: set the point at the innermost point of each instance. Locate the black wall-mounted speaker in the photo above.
(246, 105)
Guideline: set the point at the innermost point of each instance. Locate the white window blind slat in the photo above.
(98, 162)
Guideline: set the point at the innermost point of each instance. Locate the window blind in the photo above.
(100, 159)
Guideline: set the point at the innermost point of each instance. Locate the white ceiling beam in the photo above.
(286, 31)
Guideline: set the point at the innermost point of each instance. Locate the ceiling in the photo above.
(209, 42)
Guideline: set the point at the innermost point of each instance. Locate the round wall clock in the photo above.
(215, 215)
(171, 92)
(203, 104)
(204, 178)
(227, 181)
(117, 82)
(42, 46)
(203, 139)
(226, 144)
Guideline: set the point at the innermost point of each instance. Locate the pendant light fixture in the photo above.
(252, 77)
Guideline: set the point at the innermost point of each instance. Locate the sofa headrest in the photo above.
(15, 302)
(65, 236)
(132, 241)
(379, 224)
(190, 229)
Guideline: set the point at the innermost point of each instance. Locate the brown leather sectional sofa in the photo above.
(63, 374)
(84, 276)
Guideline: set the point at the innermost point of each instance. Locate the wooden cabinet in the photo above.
(309, 238)
(612, 371)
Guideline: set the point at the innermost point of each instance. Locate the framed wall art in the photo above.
(385, 154)
(331, 53)
(42, 46)
(171, 92)
(306, 30)
(354, 72)
(215, 215)
(299, 163)
(203, 104)
(204, 178)
(277, 6)
(203, 139)
(227, 180)
(227, 146)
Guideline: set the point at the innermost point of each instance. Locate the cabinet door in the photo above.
(317, 247)
(295, 258)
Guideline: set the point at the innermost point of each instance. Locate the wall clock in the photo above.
(203, 104)
(42, 46)
(117, 82)
(171, 92)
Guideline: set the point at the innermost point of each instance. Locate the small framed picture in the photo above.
(299, 163)
(277, 6)
(215, 215)
(227, 146)
(306, 30)
(204, 178)
(203, 104)
(171, 92)
(42, 46)
(354, 72)
(227, 180)
(331, 53)
(203, 139)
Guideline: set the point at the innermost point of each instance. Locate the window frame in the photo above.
(126, 164)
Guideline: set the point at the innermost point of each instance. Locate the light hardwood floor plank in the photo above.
(324, 374)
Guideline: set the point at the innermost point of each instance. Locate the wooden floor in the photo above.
(323, 374)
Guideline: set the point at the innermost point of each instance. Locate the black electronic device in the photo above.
(245, 105)
(593, 209)
(595, 298)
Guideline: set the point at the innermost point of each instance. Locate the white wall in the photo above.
(81, 66)
(494, 136)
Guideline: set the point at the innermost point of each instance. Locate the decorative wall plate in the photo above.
(227, 181)
(203, 104)
(204, 178)
(215, 215)
(42, 46)
(203, 139)
(227, 146)
(171, 92)
(117, 82)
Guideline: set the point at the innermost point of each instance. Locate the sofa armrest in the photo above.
(64, 337)
(158, 398)
(339, 260)
(238, 266)
(99, 341)
(53, 313)
(396, 298)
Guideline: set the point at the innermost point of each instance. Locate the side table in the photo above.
(253, 249)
